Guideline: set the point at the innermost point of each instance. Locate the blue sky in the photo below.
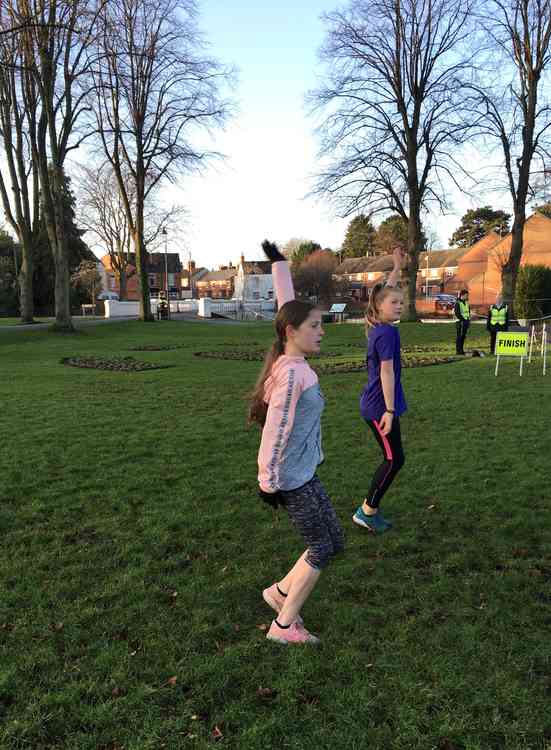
(258, 191)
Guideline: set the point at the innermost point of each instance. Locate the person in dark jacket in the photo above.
(462, 312)
(498, 320)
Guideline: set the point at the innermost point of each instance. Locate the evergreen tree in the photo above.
(78, 250)
(477, 223)
(360, 238)
(533, 291)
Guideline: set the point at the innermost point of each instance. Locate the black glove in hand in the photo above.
(272, 498)
(271, 251)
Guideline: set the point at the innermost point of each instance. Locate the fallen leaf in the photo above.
(431, 507)
(266, 693)
(216, 734)
(172, 681)
(262, 627)
(56, 627)
(237, 627)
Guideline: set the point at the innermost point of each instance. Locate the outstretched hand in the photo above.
(399, 257)
(271, 251)
(275, 499)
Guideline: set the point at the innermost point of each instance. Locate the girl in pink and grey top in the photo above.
(288, 403)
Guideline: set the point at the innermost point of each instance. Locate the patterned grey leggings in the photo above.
(312, 514)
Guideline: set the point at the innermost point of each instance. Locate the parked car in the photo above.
(109, 295)
(445, 302)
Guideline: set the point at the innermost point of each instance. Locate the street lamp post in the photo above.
(166, 273)
(427, 278)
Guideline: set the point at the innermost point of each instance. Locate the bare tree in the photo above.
(54, 42)
(390, 106)
(154, 88)
(101, 212)
(512, 110)
(19, 187)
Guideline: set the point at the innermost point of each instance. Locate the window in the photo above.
(171, 279)
(152, 279)
(256, 295)
(270, 293)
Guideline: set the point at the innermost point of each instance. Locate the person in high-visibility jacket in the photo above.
(498, 320)
(462, 312)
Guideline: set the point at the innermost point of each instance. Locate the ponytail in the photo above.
(292, 313)
(258, 408)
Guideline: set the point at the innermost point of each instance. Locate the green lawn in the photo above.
(17, 321)
(134, 552)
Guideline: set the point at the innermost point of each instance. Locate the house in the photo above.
(253, 280)
(189, 278)
(217, 284)
(436, 268)
(156, 269)
(248, 281)
(359, 275)
(479, 270)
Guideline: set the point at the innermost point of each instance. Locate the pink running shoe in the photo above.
(273, 598)
(293, 634)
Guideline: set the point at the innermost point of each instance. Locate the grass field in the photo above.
(17, 321)
(134, 552)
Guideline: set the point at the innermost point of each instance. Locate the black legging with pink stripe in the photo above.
(394, 459)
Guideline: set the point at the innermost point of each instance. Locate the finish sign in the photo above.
(512, 344)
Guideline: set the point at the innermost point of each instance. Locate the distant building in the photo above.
(156, 275)
(253, 280)
(479, 269)
(248, 281)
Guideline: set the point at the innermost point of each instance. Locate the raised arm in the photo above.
(399, 258)
(283, 283)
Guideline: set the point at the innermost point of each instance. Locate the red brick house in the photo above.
(156, 275)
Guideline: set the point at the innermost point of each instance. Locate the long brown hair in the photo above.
(378, 294)
(292, 313)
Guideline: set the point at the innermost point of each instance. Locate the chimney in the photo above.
(242, 259)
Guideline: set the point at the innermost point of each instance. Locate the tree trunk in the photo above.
(509, 271)
(25, 279)
(414, 246)
(123, 284)
(141, 270)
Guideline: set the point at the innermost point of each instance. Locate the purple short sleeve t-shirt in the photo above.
(383, 343)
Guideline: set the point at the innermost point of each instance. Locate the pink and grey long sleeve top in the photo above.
(290, 448)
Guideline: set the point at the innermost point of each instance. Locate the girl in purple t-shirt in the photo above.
(382, 402)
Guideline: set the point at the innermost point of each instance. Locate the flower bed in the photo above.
(114, 364)
(330, 368)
